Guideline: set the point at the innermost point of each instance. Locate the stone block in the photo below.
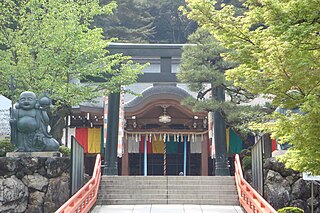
(33, 154)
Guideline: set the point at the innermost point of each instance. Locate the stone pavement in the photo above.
(170, 208)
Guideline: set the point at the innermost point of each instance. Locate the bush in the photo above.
(5, 146)
(66, 152)
(245, 152)
(247, 163)
(290, 210)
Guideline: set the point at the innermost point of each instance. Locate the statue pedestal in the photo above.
(33, 154)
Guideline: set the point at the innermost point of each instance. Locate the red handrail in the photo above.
(85, 198)
(249, 198)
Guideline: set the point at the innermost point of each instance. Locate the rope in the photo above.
(164, 156)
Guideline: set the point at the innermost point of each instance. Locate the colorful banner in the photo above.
(210, 125)
(121, 126)
(211, 136)
(89, 138)
(195, 147)
(172, 147)
(133, 145)
(174, 143)
(157, 145)
(141, 145)
(235, 142)
(228, 138)
(105, 122)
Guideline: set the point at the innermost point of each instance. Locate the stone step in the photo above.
(186, 182)
(165, 201)
(169, 178)
(204, 201)
(202, 196)
(133, 196)
(129, 190)
(170, 187)
(168, 196)
(165, 191)
(130, 201)
(138, 191)
(166, 177)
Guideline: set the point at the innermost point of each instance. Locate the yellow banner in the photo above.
(94, 140)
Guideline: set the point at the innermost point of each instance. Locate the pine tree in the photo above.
(203, 69)
(131, 22)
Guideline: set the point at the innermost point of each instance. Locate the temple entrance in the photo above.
(174, 164)
(163, 137)
(177, 155)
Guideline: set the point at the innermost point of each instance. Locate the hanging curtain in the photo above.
(228, 138)
(157, 145)
(195, 144)
(172, 147)
(235, 146)
(90, 139)
(133, 146)
(141, 144)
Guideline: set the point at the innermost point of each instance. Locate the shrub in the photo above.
(66, 152)
(5, 146)
(247, 163)
(245, 152)
(290, 209)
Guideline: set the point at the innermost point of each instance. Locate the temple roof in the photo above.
(159, 90)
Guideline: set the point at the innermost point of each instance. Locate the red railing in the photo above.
(85, 198)
(249, 198)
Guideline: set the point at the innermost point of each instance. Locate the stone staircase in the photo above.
(201, 190)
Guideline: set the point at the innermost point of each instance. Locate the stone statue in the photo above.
(29, 124)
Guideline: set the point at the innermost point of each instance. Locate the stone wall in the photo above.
(33, 184)
(285, 187)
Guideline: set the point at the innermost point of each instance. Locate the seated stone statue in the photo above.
(29, 125)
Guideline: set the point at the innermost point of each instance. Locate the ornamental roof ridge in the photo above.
(157, 89)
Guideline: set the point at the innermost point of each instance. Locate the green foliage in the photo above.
(202, 61)
(5, 146)
(157, 21)
(290, 210)
(51, 46)
(66, 151)
(247, 163)
(130, 22)
(203, 66)
(245, 152)
(276, 46)
(171, 26)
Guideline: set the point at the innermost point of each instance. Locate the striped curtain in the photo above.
(90, 139)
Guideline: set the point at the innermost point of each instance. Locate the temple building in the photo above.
(157, 134)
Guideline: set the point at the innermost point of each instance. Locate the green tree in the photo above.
(131, 22)
(145, 21)
(49, 46)
(170, 25)
(276, 44)
(203, 68)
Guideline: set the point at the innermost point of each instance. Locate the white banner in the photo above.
(4, 122)
(308, 176)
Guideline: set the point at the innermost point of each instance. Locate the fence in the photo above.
(260, 150)
(86, 197)
(77, 165)
(249, 198)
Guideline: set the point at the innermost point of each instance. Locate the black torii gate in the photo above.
(166, 54)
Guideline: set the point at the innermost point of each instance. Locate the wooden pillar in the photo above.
(204, 156)
(125, 158)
